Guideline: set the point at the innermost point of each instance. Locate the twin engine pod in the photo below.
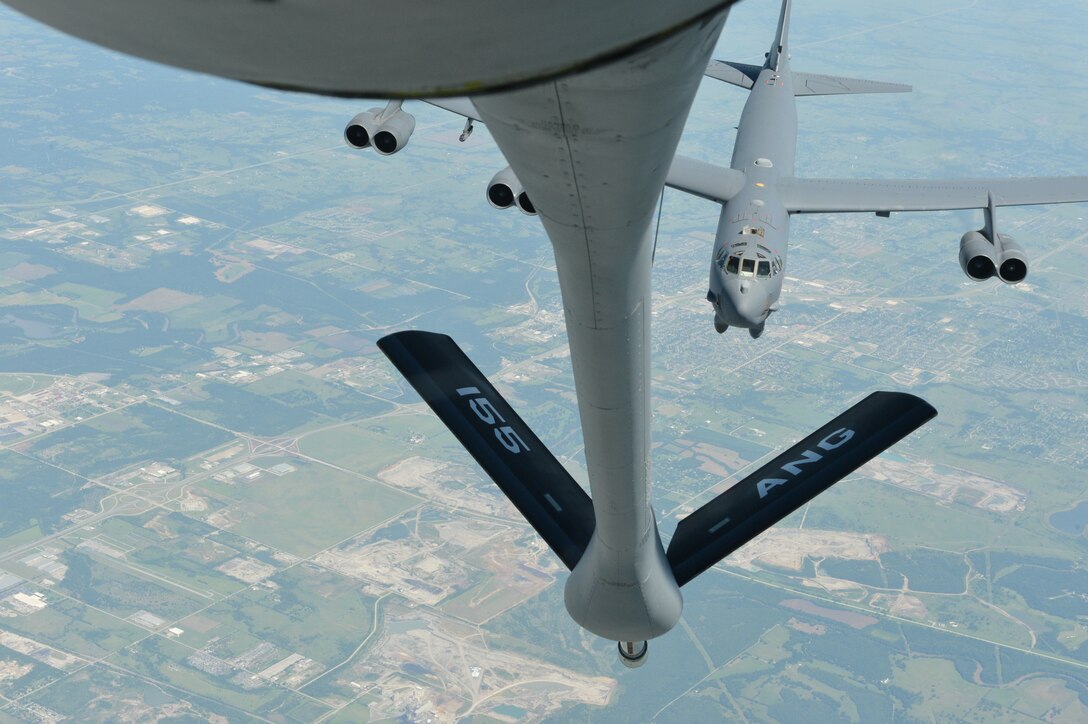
(981, 259)
(504, 190)
(386, 129)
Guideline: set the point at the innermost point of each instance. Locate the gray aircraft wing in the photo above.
(744, 75)
(699, 178)
(819, 195)
(738, 74)
(460, 106)
(714, 183)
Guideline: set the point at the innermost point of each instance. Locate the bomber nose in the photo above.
(749, 303)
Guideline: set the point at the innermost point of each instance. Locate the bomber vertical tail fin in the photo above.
(778, 48)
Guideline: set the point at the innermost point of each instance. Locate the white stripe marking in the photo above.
(719, 524)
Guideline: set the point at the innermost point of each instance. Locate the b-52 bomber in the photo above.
(759, 192)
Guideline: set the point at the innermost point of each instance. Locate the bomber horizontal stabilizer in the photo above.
(500, 441)
(744, 75)
(814, 84)
(792, 479)
(738, 74)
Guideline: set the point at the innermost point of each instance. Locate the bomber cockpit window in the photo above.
(764, 268)
(732, 265)
(747, 267)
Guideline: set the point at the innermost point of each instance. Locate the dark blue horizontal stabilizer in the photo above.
(500, 441)
(792, 479)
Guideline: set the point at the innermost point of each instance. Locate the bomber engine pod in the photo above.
(1013, 266)
(981, 259)
(978, 257)
(503, 189)
(386, 129)
(394, 132)
(524, 205)
(361, 128)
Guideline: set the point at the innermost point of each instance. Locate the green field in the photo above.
(370, 447)
(310, 509)
(302, 392)
(109, 585)
(34, 496)
(93, 303)
(91, 695)
(310, 611)
(176, 548)
(21, 384)
(165, 660)
(141, 433)
(75, 627)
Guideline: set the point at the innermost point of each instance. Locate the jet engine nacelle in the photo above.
(387, 131)
(1013, 266)
(978, 257)
(394, 133)
(504, 190)
(981, 259)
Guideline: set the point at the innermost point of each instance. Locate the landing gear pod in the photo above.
(633, 653)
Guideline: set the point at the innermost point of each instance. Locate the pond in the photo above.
(1072, 521)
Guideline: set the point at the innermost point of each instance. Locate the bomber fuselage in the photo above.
(750, 246)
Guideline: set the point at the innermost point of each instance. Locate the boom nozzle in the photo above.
(633, 653)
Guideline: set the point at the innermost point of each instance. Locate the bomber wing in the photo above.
(460, 105)
(699, 178)
(714, 183)
(824, 195)
(738, 74)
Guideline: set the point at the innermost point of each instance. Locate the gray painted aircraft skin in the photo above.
(752, 239)
(375, 48)
(592, 150)
(758, 191)
(622, 588)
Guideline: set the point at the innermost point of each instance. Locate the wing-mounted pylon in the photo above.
(792, 479)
